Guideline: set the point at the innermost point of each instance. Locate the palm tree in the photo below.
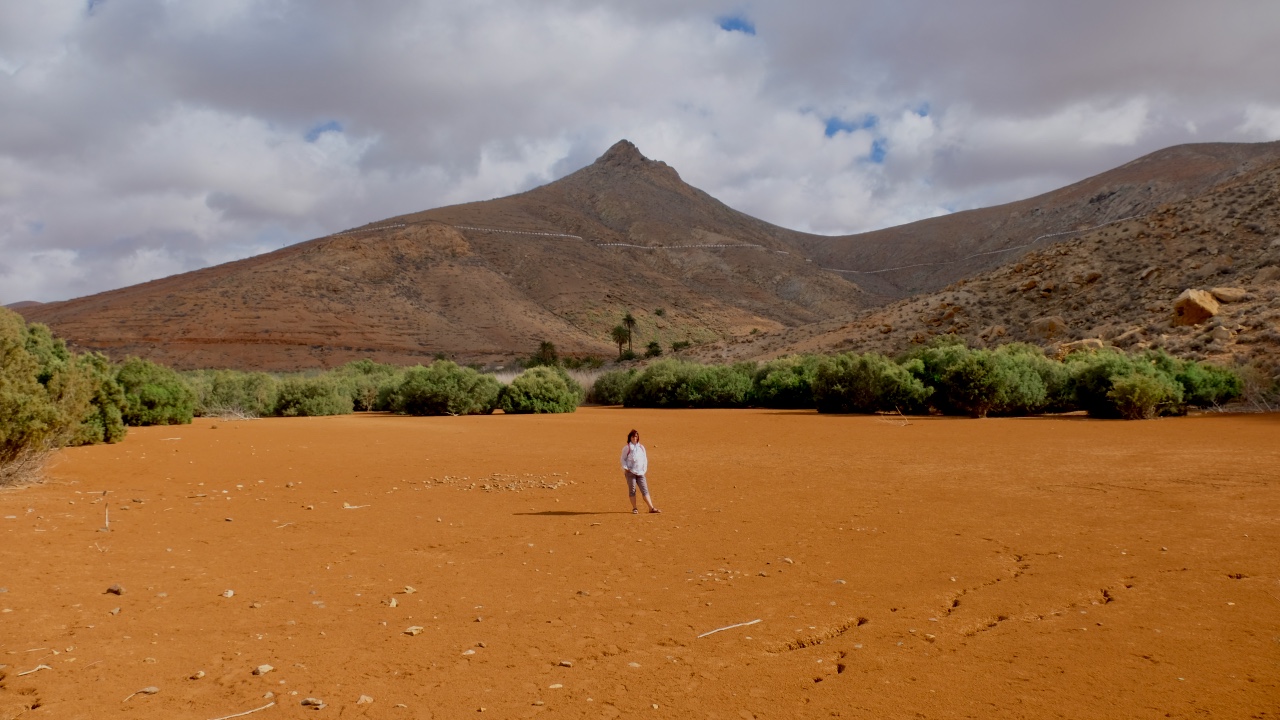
(629, 323)
(620, 335)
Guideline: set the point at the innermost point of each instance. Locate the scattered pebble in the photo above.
(115, 590)
(414, 630)
(840, 582)
(392, 603)
(633, 664)
(227, 519)
(196, 675)
(566, 663)
(364, 700)
(262, 669)
(654, 706)
(408, 590)
(268, 695)
(255, 604)
(228, 593)
(555, 686)
(114, 611)
(316, 703)
(468, 652)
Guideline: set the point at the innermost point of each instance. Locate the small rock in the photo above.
(262, 669)
(196, 675)
(408, 590)
(840, 582)
(633, 664)
(114, 611)
(788, 561)
(227, 519)
(414, 630)
(468, 652)
(268, 695)
(763, 574)
(228, 593)
(392, 603)
(115, 590)
(566, 663)
(150, 660)
(654, 706)
(316, 703)
(1229, 294)
(555, 686)
(255, 604)
(364, 700)
(1220, 333)
(149, 690)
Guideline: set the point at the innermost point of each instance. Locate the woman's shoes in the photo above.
(654, 510)
(635, 511)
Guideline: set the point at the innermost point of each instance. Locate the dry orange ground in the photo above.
(947, 568)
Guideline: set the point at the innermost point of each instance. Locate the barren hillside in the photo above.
(931, 254)
(482, 281)
(1118, 284)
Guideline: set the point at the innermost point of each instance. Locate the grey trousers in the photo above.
(634, 480)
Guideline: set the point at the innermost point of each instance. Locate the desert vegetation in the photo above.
(51, 397)
(945, 378)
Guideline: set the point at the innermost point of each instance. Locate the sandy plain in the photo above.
(945, 568)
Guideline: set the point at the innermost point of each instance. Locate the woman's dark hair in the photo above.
(635, 433)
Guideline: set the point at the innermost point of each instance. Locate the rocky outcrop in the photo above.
(1048, 328)
(1194, 307)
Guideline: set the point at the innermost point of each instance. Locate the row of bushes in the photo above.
(1016, 379)
(51, 397)
(441, 388)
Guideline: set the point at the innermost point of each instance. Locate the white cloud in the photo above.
(153, 136)
(1261, 122)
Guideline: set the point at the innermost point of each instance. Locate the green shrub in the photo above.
(154, 394)
(45, 395)
(679, 345)
(541, 390)
(1206, 385)
(1095, 376)
(312, 397)
(443, 388)
(852, 383)
(221, 392)
(934, 361)
(681, 384)
(786, 382)
(367, 382)
(653, 349)
(1144, 395)
(611, 387)
(104, 419)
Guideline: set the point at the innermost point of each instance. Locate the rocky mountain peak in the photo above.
(624, 155)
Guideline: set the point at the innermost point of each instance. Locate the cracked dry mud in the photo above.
(1047, 567)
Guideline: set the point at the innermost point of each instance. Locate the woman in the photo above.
(635, 464)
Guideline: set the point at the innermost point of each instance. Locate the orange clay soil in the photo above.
(946, 568)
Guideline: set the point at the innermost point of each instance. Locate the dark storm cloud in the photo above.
(143, 137)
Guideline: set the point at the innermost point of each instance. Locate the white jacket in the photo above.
(635, 459)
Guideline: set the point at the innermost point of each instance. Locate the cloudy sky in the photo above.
(140, 138)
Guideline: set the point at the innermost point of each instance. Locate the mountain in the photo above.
(928, 255)
(1116, 284)
(564, 262)
(479, 282)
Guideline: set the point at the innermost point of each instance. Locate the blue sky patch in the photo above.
(836, 124)
(331, 126)
(923, 109)
(737, 23)
(879, 149)
(92, 5)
